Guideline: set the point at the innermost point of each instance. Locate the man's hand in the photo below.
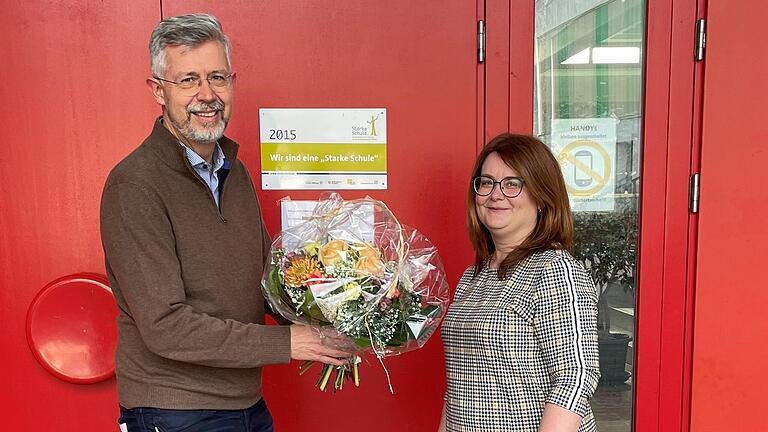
(306, 344)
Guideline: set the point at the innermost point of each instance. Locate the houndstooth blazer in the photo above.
(515, 344)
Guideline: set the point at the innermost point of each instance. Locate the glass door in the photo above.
(588, 106)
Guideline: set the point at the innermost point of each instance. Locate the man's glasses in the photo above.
(218, 82)
(510, 186)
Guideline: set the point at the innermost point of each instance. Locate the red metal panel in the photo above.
(414, 59)
(497, 62)
(729, 350)
(663, 267)
(508, 89)
(76, 103)
(520, 75)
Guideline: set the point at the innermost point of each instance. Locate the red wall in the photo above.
(730, 327)
(75, 102)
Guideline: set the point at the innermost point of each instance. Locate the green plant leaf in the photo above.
(274, 287)
(310, 309)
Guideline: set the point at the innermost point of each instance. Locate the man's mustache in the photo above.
(201, 107)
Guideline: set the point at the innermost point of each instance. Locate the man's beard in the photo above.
(205, 133)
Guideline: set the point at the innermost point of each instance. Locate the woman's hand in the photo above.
(559, 419)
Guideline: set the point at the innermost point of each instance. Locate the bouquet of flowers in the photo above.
(354, 269)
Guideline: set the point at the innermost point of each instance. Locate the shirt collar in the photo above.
(198, 162)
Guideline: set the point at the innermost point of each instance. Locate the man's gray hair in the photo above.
(184, 30)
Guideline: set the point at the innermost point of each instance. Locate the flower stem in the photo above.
(356, 372)
(339, 382)
(327, 369)
(305, 366)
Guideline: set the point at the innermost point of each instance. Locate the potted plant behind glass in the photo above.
(606, 244)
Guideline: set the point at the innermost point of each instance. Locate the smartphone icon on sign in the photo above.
(580, 177)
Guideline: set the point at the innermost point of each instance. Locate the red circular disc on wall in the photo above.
(71, 328)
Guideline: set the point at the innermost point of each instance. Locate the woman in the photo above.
(521, 335)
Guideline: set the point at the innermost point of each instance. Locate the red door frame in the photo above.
(666, 262)
(693, 228)
(667, 241)
(509, 66)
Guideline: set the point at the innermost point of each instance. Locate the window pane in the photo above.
(588, 108)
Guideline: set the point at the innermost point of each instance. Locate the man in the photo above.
(185, 248)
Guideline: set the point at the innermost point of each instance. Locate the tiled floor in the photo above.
(612, 406)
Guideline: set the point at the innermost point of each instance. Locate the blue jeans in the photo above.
(254, 419)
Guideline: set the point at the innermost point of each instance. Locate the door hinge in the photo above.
(693, 193)
(701, 39)
(481, 41)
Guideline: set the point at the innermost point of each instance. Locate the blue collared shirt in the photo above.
(209, 173)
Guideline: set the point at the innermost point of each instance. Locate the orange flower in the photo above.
(333, 252)
(300, 270)
(366, 249)
(369, 262)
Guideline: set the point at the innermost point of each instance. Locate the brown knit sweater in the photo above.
(186, 278)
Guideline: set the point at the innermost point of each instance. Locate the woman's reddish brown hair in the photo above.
(543, 182)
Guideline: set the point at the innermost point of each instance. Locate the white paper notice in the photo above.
(293, 213)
